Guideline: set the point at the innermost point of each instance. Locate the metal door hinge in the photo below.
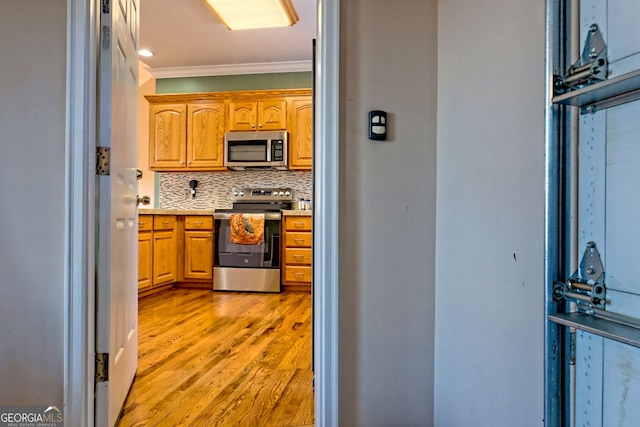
(586, 285)
(106, 6)
(102, 367)
(591, 67)
(103, 161)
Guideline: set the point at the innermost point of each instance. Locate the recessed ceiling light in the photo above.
(250, 14)
(145, 52)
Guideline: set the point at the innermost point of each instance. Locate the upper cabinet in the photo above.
(300, 133)
(186, 131)
(187, 136)
(167, 136)
(267, 114)
(205, 136)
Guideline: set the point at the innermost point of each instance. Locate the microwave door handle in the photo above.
(268, 150)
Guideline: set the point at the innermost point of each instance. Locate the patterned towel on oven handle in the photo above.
(247, 229)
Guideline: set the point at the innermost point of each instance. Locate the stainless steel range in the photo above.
(247, 247)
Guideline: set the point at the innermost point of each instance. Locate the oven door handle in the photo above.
(270, 216)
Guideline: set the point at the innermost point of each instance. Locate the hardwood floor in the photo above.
(222, 359)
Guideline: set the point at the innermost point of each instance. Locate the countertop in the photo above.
(151, 211)
(296, 213)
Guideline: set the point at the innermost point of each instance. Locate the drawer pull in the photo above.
(198, 223)
(298, 274)
(299, 224)
(298, 240)
(298, 257)
(141, 223)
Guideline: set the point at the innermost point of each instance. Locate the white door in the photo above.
(117, 300)
(605, 386)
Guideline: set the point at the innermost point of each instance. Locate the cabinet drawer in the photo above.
(198, 223)
(298, 240)
(164, 222)
(297, 274)
(298, 256)
(145, 222)
(297, 223)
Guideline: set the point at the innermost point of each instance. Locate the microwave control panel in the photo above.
(277, 150)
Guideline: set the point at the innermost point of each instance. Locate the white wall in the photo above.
(32, 173)
(387, 213)
(489, 252)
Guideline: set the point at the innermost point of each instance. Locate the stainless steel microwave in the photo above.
(256, 150)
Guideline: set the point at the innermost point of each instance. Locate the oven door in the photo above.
(254, 267)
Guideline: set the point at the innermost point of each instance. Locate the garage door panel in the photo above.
(623, 37)
(624, 303)
(621, 385)
(623, 197)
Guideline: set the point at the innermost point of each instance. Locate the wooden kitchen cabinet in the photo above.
(186, 131)
(265, 114)
(174, 250)
(300, 133)
(164, 249)
(198, 248)
(187, 137)
(145, 252)
(297, 253)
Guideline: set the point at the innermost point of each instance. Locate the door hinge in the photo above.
(591, 67)
(102, 367)
(106, 6)
(586, 285)
(103, 161)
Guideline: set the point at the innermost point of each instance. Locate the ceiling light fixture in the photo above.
(250, 14)
(145, 52)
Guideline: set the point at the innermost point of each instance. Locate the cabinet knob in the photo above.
(209, 236)
(260, 125)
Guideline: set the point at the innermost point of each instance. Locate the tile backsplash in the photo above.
(214, 188)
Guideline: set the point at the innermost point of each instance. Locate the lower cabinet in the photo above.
(174, 250)
(297, 253)
(164, 249)
(145, 252)
(198, 250)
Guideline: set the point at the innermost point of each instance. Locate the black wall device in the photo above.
(378, 125)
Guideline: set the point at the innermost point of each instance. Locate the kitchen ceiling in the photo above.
(187, 35)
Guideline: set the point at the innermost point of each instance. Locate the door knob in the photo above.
(145, 200)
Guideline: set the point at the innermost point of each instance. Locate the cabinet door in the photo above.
(272, 114)
(242, 116)
(145, 260)
(198, 255)
(205, 136)
(301, 134)
(167, 136)
(164, 257)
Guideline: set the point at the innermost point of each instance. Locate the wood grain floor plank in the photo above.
(222, 359)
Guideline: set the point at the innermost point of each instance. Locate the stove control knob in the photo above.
(241, 193)
(287, 193)
(281, 193)
(235, 194)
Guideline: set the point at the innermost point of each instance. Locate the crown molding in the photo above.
(231, 69)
